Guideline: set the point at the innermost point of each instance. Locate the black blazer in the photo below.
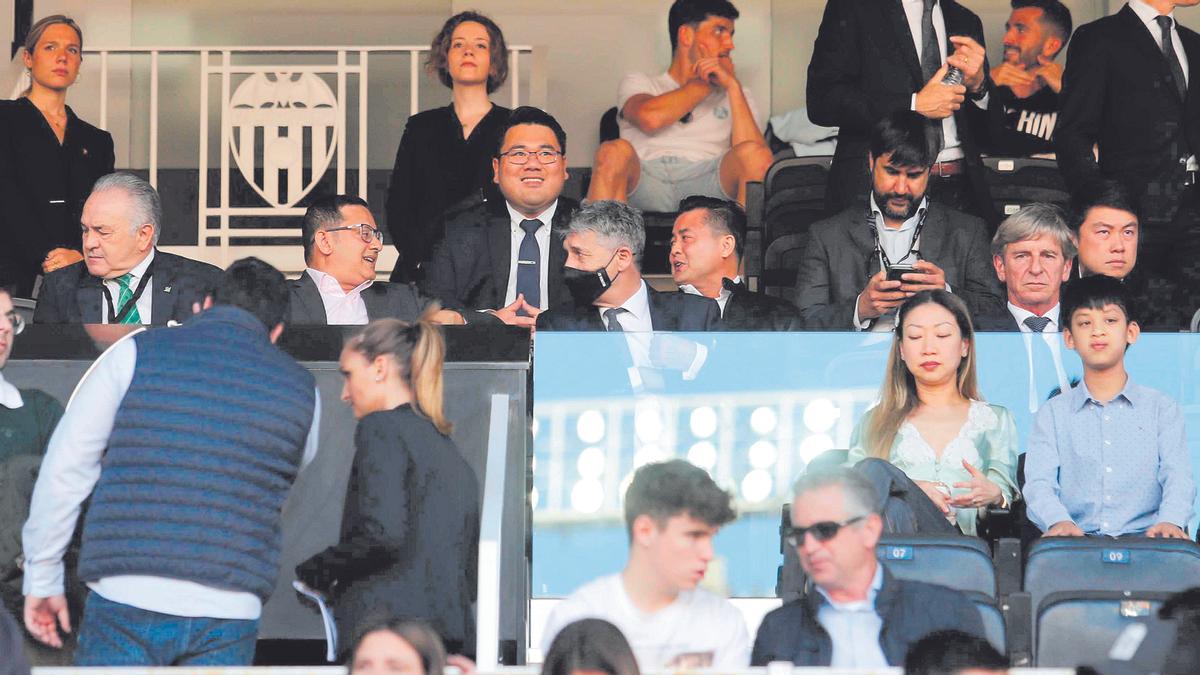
(71, 295)
(668, 312)
(470, 266)
(410, 530)
(43, 186)
(398, 300)
(1118, 93)
(749, 311)
(840, 257)
(996, 322)
(864, 66)
(435, 169)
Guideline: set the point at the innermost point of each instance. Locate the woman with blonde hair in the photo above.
(931, 422)
(49, 159)
(410, 527)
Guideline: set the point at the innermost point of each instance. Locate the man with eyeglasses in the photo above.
(858, 614)
(861, 264)
(505, 256)
(338, 287)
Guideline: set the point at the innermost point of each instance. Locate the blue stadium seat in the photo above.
(993, 622)
(962, 563)
(1080, 627)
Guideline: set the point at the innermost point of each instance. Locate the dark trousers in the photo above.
(1165, 283)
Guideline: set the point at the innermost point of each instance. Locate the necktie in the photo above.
(1037, 324)
(529, 262)
(931, 60)
(610, 317)
(123, 297)
(1168, 50)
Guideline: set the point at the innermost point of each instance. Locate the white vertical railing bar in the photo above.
(202, 215)
(104, 90)
(226, 62)
(362, 125)
(487, 604)
(341, 142)
(154, 119)
(414, 82)
(514, 71)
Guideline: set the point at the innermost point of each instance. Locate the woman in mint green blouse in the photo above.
(931, 422)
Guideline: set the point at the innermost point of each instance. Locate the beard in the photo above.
(884, 202)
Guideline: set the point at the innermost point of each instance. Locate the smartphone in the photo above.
(895, 271)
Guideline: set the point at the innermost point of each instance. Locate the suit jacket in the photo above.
(397, 300)
(864, 66)
(71, 295)
(470, 266)
(746, 310)
(1118, 92)
(997, 322)
(668, 312)
(840, 257)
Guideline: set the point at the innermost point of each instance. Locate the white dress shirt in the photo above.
(1148, 15)
(854, 628)
(70, 471)
(342, 307)
(145, 302)
(897, 243)
(722, 297)
(10, 396)
(542, 235)
(1053, 339)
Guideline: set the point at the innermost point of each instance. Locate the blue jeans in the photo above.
(112, 634)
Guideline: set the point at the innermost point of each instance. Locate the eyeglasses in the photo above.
(520, 157)
(822, 531)
(16, 321)
(365, 232)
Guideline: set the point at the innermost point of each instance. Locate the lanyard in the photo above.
(914, 245)
(115, 316)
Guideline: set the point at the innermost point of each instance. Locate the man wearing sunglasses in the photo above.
(341, 246)
(858, 615)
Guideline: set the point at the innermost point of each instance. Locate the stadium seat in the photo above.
(1080, 628)
(1017, 181)
(24, 308)
(793, 199)
(993, 622)
(962, 563)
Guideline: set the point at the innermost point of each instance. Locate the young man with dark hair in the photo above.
(908, 242)
(1104, 220)
(1109, 457)
(707, 244)
(504, 256)
(672, 512)
(691, 130)
(1024, 102)
(953, 652)
(202, 429)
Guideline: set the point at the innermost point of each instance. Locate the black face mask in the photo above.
(586, 286)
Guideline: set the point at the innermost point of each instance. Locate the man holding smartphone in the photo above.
(862, 263)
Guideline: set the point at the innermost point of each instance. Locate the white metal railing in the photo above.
(344, 63)
(487, 604)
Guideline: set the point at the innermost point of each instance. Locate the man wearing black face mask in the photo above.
(604, 244)
(861, 264)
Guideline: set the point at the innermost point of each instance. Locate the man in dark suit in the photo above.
(123, 277)
(861, 264)
(604, 243)
(875, 57)
(341, 246)
(707, 244)
(1130, 90)
(506, 254)
(1032, 253)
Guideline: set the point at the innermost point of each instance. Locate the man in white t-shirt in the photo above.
(692, 130)
(672, 511)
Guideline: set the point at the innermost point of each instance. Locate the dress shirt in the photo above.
(342, 307)
(1053, 338)
(637, 327)
(722, 297)
(145, 303)
(10, 396)
(543, 241)
(896, 244)
(1112, 468)
(854, 627)
(70, 471)
(1148, 15)
(951, 149)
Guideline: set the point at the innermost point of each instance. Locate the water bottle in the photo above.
(954, 76)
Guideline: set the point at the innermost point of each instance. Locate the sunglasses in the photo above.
(822, 531)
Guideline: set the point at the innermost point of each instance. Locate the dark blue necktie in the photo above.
(529, 264)
(1168, 51)
(1037, 323)
(610, 315)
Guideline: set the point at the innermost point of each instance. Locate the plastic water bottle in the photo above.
(954, 75)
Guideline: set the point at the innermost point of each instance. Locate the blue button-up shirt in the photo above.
(1113, 468)
(854, 628)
